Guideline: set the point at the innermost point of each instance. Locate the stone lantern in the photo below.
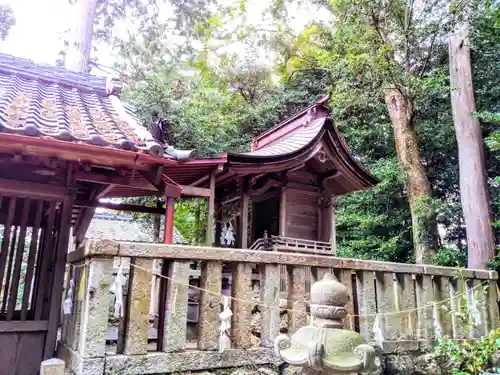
(325, 348)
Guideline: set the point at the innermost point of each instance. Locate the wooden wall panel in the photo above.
(21, 352)
(302, 214)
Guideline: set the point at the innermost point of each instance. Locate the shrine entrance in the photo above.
(265, 216)
(34, 231)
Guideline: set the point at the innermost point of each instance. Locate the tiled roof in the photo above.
(50, 102)
(111, 226)
(291, 142)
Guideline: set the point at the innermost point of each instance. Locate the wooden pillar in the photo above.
(319, 223)
(211, 212)
(58, 276)
(168, 238)
(218, 229)
(244, 220)
(333, 231)
(169, 221)
(283, 204)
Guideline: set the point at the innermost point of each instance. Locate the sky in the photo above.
(40, 24)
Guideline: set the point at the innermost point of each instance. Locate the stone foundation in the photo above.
(155, 363)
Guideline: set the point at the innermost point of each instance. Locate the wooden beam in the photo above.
(200, 181)
(230, 200)
(108, 179)
(325, 177)
(85, 217)
(105, 191)
(173, 191)
(24, 326)
(193, 191)
(155, 177)
(32, 190)
(211, 211)
(120, 207)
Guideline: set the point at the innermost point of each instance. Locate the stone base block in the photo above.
(187, 361)
(53, 366)
(77, 365)
(164, 363)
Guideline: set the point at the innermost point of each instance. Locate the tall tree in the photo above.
(80, 44)
(473, 188)
(390, 49)
(94, 22)
(7, 20)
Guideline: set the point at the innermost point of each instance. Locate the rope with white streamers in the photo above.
(117, 290)
(225, 325)
(68, 302)
(435, 322)
(377, 331)
(473, 308)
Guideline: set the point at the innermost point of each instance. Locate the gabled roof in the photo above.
(308, 139)
(49, 102)
(287, 144)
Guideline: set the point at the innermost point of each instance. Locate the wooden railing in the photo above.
(298, 245)
(375, 288)
(294, 245)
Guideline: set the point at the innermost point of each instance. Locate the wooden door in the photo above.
(265, 217)
(32, 260)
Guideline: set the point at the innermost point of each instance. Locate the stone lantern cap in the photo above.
(324, 345)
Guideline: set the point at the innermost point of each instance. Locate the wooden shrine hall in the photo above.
(67, 141)
(280, 195)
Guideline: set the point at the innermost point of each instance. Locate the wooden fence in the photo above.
(403, 295)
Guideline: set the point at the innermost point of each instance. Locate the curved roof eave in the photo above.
(295, 156)
(286, 147)
(349, 160)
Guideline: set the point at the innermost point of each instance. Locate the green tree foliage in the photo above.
(218, 104)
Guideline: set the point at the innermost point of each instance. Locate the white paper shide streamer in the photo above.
(435, 322)
(377, 332)
(117, 290)
(68, 302)
(225, 325)
(474, 309)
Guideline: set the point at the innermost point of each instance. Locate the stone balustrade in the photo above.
(374, 287)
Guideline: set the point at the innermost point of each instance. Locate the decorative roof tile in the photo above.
(51, 102)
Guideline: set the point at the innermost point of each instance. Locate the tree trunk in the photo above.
(423, 216)
(472, 170)
(78, 55)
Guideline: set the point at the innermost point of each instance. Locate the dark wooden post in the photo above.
(333, 231)
(244, 220)
(211, 211)
(283, 203)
